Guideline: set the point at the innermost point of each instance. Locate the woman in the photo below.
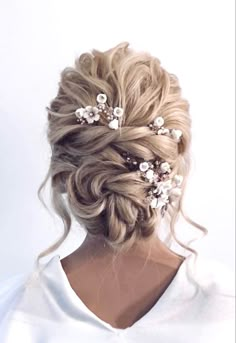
(120, 134)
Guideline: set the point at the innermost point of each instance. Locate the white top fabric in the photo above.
(42, 307)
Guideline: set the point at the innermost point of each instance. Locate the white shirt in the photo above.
(42, 307)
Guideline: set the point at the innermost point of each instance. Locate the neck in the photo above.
(153, 248)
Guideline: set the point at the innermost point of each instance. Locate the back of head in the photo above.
(87, 162)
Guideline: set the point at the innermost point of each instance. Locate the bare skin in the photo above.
(120, 291)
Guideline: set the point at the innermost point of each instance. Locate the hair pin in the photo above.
(91, 114)
(163, 189)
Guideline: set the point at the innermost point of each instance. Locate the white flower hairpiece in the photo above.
(91, 114)
(159, 129)
(163, 189)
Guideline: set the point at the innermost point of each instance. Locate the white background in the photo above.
(193, 39)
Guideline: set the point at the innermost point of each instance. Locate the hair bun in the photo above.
(103, 194)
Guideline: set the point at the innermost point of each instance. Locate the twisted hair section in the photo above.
(86, 161)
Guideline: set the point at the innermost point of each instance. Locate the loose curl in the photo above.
(86, 161)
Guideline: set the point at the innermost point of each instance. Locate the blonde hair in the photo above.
(86, 164)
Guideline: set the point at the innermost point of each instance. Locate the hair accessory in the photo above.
(91, 114)
(159, 129)
(163, 189)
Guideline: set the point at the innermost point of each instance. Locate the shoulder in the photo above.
(215, 276)
(11, 290)
(26, 294)
(216, 299)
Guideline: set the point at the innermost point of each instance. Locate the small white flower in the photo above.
(176, 134)
(149, 174)
(159, 202)
(118, 111)
(91, 114)
(165, 167)
(101, 98)
(159, 121)
(178, 179)
(113, 124)
(164, 186)
(143, 166)
(80, 112)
